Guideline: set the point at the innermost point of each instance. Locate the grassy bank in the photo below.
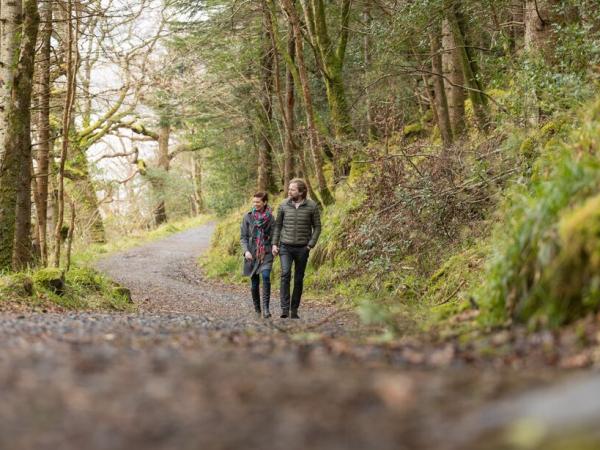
(82, 287)
(55, 290)
(510, 236)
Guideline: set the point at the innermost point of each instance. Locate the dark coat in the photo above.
(297, 226)
(249, 245)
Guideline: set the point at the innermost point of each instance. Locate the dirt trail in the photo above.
(194, 369)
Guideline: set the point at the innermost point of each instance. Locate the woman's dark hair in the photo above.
(301, 184)
(262, 195)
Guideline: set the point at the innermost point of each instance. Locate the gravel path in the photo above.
(194, 369)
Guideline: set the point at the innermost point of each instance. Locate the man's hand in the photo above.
(275, 250)
(248, 256)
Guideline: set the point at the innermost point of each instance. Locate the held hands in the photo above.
(248, 256)
(275, 250)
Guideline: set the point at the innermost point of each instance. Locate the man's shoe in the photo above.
(266, 314)
(284, 314)
(295, 314)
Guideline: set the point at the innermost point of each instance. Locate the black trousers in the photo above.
(298, 256)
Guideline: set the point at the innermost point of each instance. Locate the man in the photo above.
(297, 229)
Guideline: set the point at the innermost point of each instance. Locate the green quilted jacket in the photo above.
(297, 226)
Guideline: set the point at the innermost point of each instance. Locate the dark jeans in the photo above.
(255, 283)
(299, 257)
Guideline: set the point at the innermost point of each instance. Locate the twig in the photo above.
(447, 299)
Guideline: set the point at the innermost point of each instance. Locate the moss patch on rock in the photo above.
(78, 289)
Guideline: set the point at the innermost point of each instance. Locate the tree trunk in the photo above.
(72, 64)
(330, 60)
(160, 211)
(19, 118)
(517, 29)
(286, 105)
(453, 81)
(43, 130)
(472, 84)
(538, 25)
(265, 149)
(197, 182)
(441, 102)
(289, 148)
(10, 22)
(367, 57)
(314, 141)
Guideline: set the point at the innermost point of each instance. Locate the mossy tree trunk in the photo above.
(289, 148)
(11, 23)
(72, 62)
(302, 75)
(19, 133)
(453, 81)
(441, 102)
(266, 182)
(469, 69)
(286, 105)
(164, 133)
(371, 129)
(198, 199)
(330, 60)
(43, 130)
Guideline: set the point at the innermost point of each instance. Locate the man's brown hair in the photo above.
(262, 195)
(301, 184)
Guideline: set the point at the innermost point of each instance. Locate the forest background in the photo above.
(452, 144)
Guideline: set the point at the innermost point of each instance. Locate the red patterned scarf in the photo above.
(262, 219)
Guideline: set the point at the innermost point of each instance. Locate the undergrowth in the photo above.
(503, 227)
(77, 289)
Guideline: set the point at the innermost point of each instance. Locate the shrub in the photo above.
(545, 232)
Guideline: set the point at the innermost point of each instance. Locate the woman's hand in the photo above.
(275, 250)
(248, 256)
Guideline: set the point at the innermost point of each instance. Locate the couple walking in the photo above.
(291, 235)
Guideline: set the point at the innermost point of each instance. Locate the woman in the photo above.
(256, 229)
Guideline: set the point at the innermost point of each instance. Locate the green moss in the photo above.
(541, 268)
(50, 279)
(528, 147)
(569, 285)
(413, 130)
(18, 285)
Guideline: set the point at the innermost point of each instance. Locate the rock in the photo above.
(50, 279)
(122, 292)
(18, 284)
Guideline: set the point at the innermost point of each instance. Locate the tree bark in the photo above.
(286, 105)
(289, 148)
(330, 59)
(197, 182)
(160, 211)
(469, 69)
(19, 118)
(441, 102)
(266, 181)
(367, 57)
(538, 24)
(314, 141)
(43, 130)
(72, 56)
(453, 81)
(10, 25)
(10, 22)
